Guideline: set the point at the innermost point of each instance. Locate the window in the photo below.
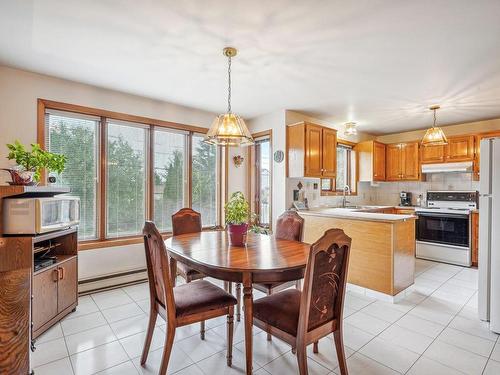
(76, 136)
(345, 175)
(263, 181)
(170, 183)
(125, 180)
(204, 180)
(126, 172)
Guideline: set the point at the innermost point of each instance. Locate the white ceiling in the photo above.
(377, 62)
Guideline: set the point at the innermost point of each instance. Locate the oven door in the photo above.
(443, 228)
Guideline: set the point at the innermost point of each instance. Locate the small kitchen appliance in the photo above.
(405, 198)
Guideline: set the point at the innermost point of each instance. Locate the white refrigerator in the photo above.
(489, 233)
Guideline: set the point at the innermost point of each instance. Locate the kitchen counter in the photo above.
(366, 213)
(382, 257)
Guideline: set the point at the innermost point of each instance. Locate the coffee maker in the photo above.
(405, 198)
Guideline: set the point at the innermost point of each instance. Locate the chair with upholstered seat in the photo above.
(184, 221)
(289, 226)
(181, 305)
(303, 317)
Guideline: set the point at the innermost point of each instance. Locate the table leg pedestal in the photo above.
(248, 314)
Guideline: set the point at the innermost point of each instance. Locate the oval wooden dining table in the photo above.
(265, 259)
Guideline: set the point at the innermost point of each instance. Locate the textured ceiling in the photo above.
(380, 63)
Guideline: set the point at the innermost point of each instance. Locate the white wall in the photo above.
(19, 91)
(276, 122)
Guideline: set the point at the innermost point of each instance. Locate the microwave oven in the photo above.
(39, 215)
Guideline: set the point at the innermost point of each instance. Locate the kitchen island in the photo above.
(382, 255)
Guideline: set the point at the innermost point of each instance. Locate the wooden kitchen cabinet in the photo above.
(475, 238)
(432, 154)
(460, 149)
(329, 153)
(311, 150)
(393, 162)
(371, 160)
(402, 162)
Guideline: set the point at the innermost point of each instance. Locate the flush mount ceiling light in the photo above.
(229, 129)
(350, 128)
(434, 136)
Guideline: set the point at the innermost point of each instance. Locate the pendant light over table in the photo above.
(229, 129)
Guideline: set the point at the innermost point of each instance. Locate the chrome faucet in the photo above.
(347, 190)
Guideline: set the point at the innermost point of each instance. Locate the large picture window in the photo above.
(126, 172)
(125, 180)
(77, 137)
(204, 180)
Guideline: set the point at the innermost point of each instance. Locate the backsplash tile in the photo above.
(383, 193)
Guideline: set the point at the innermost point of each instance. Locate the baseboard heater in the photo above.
(102, 283)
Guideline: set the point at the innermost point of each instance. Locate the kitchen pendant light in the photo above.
(229, 129)
(434, 136)
(350, 128)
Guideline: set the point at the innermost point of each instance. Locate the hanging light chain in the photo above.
(434, 111)
(229, 85)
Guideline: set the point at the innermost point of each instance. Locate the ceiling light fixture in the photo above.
(229, 129)
(350, 128)
(434, 136)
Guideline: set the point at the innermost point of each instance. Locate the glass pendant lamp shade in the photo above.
(434, 136)
(350, 128)
(229, 130)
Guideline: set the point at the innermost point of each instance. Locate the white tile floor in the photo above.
(434, 330)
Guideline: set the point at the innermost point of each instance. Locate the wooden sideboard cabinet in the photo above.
(311, 151)
(402, 162)
(32, 301)
(55, 288)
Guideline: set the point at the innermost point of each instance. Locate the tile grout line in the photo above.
(434, 340)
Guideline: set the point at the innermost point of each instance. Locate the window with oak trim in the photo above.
(126, 172)
(346, 173)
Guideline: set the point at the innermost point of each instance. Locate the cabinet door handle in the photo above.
(62, 273)
(55, 275)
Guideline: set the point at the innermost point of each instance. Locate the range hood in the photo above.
(464, 167)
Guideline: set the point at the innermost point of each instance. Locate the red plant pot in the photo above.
(238, 234)
(21, 178)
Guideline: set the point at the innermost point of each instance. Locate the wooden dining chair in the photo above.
(184, 221)
(181, 305)
(289, 226)
(303, 317)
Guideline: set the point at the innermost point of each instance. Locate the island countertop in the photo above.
(367, 213)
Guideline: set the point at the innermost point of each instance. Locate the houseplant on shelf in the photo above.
(237, 212)
(31, 163)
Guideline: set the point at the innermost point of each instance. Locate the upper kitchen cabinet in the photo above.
(432, 154)
(402, 162)
(311, 150)
(371, 158)
(458, 149)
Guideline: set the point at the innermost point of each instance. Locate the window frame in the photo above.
(101, 187)
(333, 188)
(253, 179)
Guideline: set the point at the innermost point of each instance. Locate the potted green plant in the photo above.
(237, 212)
(31, 163)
